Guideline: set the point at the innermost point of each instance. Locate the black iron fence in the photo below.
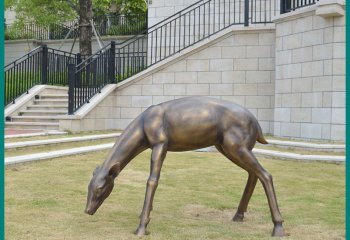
(90, 76)
(291, 5)
(115, 63)
(201, 20)
(114, 25)
(42, 65)
(131, 57)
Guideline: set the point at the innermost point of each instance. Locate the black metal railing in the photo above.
(200, 21)
(57, 63)
(119, 25)
(131, 57)
(291, 5)
(115, 63)
(42, 65)
(111, 25)
(90, 76)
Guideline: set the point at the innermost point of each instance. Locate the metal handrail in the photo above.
(291, 5)
(31, 52)
(41, 65)
(117, 62)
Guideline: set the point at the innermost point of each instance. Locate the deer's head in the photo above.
(100, 187)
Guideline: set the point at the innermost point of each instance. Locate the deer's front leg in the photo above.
(158, 155)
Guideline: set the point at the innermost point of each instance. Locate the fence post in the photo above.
(111, 61)
(285, 6)
(71, 83)
(246, 13)
(44, 62)
(78, 82)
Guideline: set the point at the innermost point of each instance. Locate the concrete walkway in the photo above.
(22, 133)
(60, 140)
(296, 156)
(56, 154)
(305, 145)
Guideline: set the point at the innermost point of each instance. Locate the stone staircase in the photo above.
(43, 113)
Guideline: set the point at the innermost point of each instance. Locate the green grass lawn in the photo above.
(197, 196)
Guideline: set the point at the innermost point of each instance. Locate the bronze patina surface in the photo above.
(182, 125)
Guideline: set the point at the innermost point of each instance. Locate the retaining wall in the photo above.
(238, 67)
(310, 75)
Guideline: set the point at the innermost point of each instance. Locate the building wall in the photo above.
(10, 16)
(310, 76)
(158, 10)
(239, 68)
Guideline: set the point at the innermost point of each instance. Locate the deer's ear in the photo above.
(115, 170)
(96, 170)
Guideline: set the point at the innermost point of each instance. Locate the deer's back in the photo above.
(196, 122)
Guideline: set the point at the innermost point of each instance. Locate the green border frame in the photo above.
(2, 166)
(2, 173)
(347, 88)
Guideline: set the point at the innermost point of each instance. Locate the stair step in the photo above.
(51, 102)
(53, 96)
(50, 119)
(33, 125)
(43, 112)
(48, 107)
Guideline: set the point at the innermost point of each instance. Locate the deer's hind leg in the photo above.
(244, 158)
(247, 194)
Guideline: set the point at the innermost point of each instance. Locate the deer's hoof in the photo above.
(141, 231)
(278, 230)
(238, 217)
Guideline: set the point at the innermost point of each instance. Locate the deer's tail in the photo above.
(260, 137)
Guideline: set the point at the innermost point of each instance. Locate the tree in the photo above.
(47, 12)
(85, 33)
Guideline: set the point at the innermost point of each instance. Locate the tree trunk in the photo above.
(85, 27)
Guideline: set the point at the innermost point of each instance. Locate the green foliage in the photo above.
(18, 31)
(46, 12)
(134, 6)
(43, 12)
(9, 3)
(102, 7)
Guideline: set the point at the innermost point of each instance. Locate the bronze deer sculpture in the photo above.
(182, 125)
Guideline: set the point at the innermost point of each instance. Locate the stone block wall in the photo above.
(310, 76)
(197, 22)
(238, 67)
(291, 76)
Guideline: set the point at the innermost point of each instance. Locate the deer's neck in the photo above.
(129, 145)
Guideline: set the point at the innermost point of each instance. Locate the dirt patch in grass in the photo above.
(210, 214)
